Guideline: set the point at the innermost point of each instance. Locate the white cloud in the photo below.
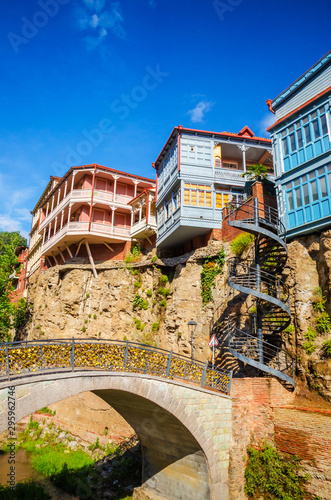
(197, 114)
(10, 224)
(96, 5)
(94, 21)
(23, 214)
(268, 120)
(99, 20)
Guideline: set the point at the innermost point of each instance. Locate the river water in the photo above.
(24, 471)
(23, 468)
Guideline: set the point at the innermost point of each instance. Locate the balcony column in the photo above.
(55, 224)
(140, 211)
(47, 209)
(113, 218)
(62, 215)
(49, 230)
(244, 149)
(132, 216)
(72, 181)
(115, 185)
(69, 213)
(58, 196)
(44, 236)
(52, 204)
(135, 187)
(65, 189)
(148, 207)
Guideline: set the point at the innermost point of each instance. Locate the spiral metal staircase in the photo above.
(259, 277)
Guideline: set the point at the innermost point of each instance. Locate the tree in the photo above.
(9, 264)
(256, 172)
(13, 240)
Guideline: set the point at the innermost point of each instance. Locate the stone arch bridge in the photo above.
(179, 408)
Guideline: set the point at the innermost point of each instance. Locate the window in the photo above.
(298, 198)
(222, 198)
(299, 138)
(197, 195)
(324, 191)
(176, 198)
(316, 129)
(324, 125)
(313, 187)
(305, 194)
(290, 200)
(307, 133)
(305, 136)
(285, 146)
(231, 165)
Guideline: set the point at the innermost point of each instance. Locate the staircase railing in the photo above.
(260, 279)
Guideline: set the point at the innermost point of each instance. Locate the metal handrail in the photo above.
(270, 352)
(35, 357)
(276, 287)
(252, 277)
(258, 213)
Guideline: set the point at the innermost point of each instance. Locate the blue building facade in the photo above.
(301, 140)
(198, 173)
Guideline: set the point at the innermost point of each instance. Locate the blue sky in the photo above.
(102, 81)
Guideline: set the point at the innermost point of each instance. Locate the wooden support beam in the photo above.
(49, 262)
(91, 259)
(110, 248)
(69, 251)
(264, 157)
(149, 241)
(62, 256)
(54, 257)
(79, 245)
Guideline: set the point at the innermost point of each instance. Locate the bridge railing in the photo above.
(28, 358)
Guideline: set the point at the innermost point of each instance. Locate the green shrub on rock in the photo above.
(241, 243)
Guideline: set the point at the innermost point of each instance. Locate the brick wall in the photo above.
(263, 409)
(306, 433)
(252, 403)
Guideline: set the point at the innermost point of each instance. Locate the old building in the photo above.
(301, 139)
(86, 215)
(143, 219)
(198, 173)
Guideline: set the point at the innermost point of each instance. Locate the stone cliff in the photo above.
(151, 302)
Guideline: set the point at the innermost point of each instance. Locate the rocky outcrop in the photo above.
(308, 274)
(69, 302)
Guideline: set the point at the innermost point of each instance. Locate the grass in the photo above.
(27, 490)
